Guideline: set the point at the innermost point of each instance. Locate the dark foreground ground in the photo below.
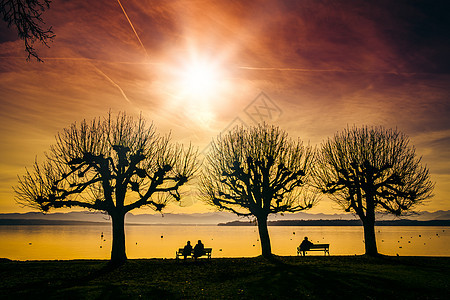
(315, 277)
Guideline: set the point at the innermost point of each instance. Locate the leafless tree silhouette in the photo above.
(112, 165)
(372, 169)
(258, 171)
(26, 17)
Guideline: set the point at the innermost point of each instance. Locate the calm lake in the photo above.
(154, 241)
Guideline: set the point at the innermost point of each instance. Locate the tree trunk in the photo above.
(264, 237)
(369, 227)
(118, 254)
(369, 237)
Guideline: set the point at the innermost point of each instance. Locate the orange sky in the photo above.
(322, 64)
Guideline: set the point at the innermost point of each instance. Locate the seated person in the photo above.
(199, 249)
(187, 250)
(305, 245)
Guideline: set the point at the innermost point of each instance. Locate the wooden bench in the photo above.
(179, 253)
(316, 247)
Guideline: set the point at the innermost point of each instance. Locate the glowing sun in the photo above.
(199, 79)
(196, 84)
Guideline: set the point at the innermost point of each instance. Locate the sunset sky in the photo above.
(195, 68)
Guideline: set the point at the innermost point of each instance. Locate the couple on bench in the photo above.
(198, 250)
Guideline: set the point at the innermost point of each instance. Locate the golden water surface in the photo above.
(155, 241)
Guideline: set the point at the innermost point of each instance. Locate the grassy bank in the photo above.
(335, 277)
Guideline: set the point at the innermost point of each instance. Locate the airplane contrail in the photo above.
(288, 69)
(324, 70)
(132, 27)
(86, 59)
(113, 83)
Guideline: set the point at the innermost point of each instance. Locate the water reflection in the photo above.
(94, 242)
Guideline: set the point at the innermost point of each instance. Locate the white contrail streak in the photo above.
(85, 59)
(132, 27)
(324, 70)
(289, 69)
(113, 83)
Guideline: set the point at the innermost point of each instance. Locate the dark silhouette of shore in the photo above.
(402, 222)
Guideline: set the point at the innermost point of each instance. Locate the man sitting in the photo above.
(199, 249)
(305, 245)
(187, 250)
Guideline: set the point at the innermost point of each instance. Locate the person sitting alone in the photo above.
(199, 249)
(187, 250)
(305, 245)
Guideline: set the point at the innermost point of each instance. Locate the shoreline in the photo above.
(106, 260)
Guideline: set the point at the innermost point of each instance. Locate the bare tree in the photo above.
(258, 171)
(112, 165)
(26, 17)
(372, 169)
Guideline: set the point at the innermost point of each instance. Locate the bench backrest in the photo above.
(313, 246)
(180, 250)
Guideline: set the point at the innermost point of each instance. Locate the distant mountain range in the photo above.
(164, 219)
(196, 218)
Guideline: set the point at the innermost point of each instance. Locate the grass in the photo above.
(314, 277)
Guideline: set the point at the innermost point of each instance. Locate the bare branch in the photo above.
(259, 170)
(95, 164)
(377, 164)
(26, 17)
